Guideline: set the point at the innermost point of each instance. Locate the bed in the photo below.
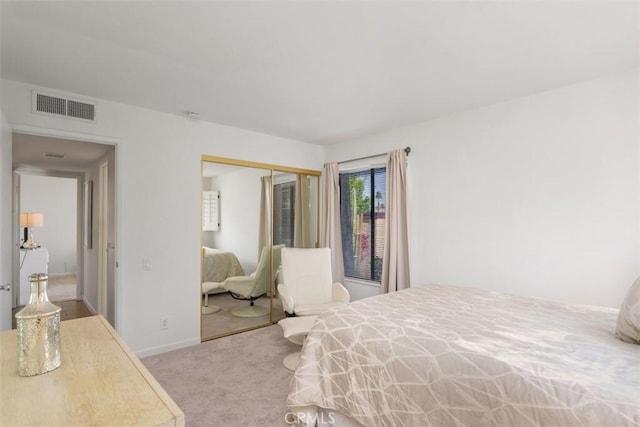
(453, 356)
(217, 265)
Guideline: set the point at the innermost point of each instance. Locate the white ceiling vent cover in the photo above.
(47, 103)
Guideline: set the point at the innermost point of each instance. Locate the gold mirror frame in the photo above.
(255, 165)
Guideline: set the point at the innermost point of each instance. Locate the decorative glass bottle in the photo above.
(38, 331)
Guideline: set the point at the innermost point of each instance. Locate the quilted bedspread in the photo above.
(218, 265)
(453, 356)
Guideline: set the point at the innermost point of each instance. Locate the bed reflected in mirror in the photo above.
(250, 211)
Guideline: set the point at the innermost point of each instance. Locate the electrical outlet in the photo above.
(164, 323)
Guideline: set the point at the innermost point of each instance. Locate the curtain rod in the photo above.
(406, 150)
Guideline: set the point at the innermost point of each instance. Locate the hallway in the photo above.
(73, 309)
(62, 287)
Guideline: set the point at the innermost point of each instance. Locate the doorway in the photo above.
(38, 161)
(55, 199)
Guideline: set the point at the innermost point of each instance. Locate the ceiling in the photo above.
(28, 152)
(321, 72)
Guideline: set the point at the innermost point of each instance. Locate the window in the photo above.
(362, 220)
(284, 197)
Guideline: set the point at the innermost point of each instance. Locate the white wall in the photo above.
(240, 215)
(56, 198)
(537, 196)
(158, 205)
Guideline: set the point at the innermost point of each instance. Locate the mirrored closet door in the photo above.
(250, 211)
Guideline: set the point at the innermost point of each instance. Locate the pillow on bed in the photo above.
(628, 325)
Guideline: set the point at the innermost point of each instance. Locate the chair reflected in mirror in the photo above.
(207, 288)
(256, 285)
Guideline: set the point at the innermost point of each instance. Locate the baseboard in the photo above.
(163, 349)
(89, 306)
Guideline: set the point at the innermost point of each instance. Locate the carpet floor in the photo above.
(224, 321)
(237, 380)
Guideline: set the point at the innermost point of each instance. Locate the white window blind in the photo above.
(210, 210)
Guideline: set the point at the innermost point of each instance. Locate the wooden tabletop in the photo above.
(100, 383)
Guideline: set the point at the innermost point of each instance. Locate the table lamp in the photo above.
(29, 220)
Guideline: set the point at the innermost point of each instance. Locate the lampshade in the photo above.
(31, 219)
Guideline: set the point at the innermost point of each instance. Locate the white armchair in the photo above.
(308, 287)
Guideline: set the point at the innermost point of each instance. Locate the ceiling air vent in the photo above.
(81, 110)
(51, 104)
(62, 106)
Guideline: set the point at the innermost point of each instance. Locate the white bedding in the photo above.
(217, 265)
(451, 356)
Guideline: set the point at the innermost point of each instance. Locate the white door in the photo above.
(6, 234)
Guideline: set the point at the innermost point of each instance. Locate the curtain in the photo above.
(331, 219)
(302, 215)
(266, 202)
(395, 267)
